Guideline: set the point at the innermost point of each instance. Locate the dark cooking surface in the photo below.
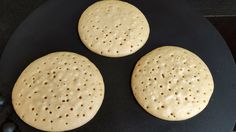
(53, 28)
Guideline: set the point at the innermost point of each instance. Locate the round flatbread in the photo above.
(58, 92)
(172, 83)
(113, 28)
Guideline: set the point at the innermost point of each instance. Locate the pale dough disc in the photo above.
(172, 83)
(60, 91)
(113, 28)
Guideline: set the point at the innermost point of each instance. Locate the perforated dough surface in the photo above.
(172, 83)
(113, 28)
(60, 91)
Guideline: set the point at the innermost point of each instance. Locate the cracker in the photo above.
(60, 91)
(113, 28)
(172, 83)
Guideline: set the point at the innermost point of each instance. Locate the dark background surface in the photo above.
(214, 7)
(220, 13)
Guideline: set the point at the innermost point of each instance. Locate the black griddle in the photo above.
(53, 27)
